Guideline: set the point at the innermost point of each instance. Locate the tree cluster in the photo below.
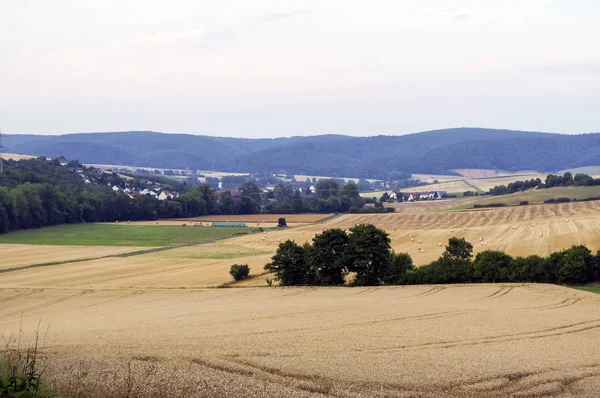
(366, 251)
(551, 181)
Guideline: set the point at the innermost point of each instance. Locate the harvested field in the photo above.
(419, 341)
(21, 255)
(540, 195)
(429, 178)
(16, 156)
(476, 173)
(515, 230)
(433, 205)
(485, 184)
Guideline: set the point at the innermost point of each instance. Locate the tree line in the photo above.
(36, 193)
(551, 181)
(365, 251)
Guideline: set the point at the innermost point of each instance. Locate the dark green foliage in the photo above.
(369, 250)
(492, 266)
(550, 182)
(478, 206)
(329, 256)
(281, 222)
(400, 264)
(578, 265)
(458, 249)
(239, 272)
(291, 265)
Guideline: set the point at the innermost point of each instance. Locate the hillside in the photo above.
(366, 157)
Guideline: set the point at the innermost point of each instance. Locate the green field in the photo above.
(592, 289)
(540, 195)
(121, 235)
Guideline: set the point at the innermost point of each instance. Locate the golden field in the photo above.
(418, 341)
(151, 324)
(16, 156)
(519, 231)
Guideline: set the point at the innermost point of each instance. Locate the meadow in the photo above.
(122, 235)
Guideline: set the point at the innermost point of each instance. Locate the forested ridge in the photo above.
(336, 155)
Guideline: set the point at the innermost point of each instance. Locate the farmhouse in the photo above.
(164, 195)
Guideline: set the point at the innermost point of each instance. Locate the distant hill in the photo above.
(369, 157)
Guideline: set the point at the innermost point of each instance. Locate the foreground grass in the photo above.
(592, 289)
(121, 235)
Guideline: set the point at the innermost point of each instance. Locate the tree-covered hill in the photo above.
(369, 157)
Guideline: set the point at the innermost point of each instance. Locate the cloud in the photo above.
(285, 15)
(442, 11)
(577, 68)
(462, 17)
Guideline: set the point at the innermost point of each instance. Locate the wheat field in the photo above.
(519, 231)
(418, 341)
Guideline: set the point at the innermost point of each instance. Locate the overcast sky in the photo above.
(266, 68)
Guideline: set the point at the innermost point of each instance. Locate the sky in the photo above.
(272, 68)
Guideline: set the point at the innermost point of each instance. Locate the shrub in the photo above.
(239, 272)
(477, 206)
(281, 222)
(523, 203)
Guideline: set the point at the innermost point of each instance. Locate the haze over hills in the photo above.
(369, 157)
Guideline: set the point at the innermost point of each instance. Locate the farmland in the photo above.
(120, 235)
(419, 341)
(540, 195)
(146, 313)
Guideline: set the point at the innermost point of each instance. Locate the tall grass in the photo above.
(21, 369)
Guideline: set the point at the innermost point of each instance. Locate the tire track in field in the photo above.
(48, 303)
(536, 334)
(21, 295)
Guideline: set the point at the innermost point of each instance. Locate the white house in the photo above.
(164, 195)
(115, 188)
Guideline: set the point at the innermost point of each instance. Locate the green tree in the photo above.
(492, 266)
(400, 265)
(250, 190)
(326, 188)
(239, 272)
(291, 266)
(329, 255)
(577, 265)
(458, 249)
(369, 251)
(350, 190)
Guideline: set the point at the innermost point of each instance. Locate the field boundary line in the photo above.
(120, 255)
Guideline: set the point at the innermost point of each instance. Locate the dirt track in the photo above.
(430, 341)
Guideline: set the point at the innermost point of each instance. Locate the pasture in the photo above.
(121, 235)
(419, 341)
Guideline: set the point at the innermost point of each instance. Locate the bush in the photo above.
(281, 222)
(557, 200)
(523, 203)
(239, 272)
(476, 206)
